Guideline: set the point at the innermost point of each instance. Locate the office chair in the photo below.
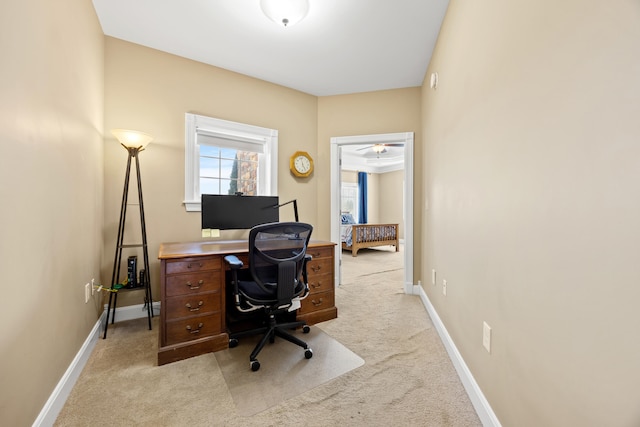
(277, 282)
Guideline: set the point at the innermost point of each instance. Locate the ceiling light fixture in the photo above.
(285, 12)
(379, 148)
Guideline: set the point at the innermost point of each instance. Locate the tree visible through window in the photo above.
(228, 171)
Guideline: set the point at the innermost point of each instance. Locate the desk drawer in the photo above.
(320, 283)
(326, 252)
(192, 265)
(319, 266)
(190, 284)
(179, 331)
(317, 301)
(192, 305)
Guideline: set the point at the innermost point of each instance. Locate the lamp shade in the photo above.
(285, 12)
(132, 138)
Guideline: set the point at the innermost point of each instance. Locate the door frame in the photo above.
(336, 154)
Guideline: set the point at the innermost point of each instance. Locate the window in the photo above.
(223, 157)
(228, 170)
(349, 202)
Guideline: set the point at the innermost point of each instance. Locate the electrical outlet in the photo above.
(444, 287)
(87, 292)
(433, 276)
(93, 286)
(486, 336)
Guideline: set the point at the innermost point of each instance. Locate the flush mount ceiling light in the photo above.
(285, 12)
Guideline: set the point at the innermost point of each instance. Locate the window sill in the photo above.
(192, 205)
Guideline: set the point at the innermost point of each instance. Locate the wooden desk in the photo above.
(193, 313)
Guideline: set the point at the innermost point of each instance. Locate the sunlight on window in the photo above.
(349, 196)
(228, 171)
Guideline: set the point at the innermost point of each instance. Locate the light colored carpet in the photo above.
(407, 378)
(284, 372)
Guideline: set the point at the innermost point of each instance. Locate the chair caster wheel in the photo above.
(306, 329)
(308, 353)
(233, 343)
(255, 365)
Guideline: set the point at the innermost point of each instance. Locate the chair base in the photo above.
(269, 333)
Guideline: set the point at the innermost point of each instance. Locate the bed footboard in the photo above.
(370, 235)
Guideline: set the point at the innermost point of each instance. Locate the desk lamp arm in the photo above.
(295, 207)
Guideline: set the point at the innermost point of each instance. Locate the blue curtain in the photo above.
(362, 198)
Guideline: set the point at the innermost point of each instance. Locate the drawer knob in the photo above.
(316, 285)
(195, 331)
(196, 308)
(317, 303)
(196, 264)
(316, 268)
(191, 286)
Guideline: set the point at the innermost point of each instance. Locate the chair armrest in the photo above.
(307, 258)
(235, 264)
(233, 261)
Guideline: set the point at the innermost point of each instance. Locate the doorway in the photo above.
(337, 144)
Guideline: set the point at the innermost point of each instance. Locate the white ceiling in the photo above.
(341, 47)
(362, 158)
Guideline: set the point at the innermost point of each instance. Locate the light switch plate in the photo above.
(486, 336)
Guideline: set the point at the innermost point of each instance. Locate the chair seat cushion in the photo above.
(267, 295)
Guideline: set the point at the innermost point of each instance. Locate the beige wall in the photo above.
(51, 178)
(391, 204)
(151, 91)
(349, 176)
(533, 186)
(365, 114)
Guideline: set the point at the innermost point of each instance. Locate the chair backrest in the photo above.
(276, 256)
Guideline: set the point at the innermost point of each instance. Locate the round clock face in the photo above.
(302, 164)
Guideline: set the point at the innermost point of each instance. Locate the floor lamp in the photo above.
(134, 142)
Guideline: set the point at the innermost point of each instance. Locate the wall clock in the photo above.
(301, 164)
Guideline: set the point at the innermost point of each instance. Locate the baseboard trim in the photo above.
(56, 401)
(411, 289)
(58, 397)
(132, 312)
(478, 400)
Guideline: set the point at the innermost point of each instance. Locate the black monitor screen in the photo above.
(227, 212)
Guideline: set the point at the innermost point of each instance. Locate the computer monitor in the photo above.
(227, 212)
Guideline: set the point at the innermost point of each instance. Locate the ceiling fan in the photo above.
(380, 148)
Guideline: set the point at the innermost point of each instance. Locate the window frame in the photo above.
(354, 187)
(230, 132)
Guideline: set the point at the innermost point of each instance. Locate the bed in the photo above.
(357, 236)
